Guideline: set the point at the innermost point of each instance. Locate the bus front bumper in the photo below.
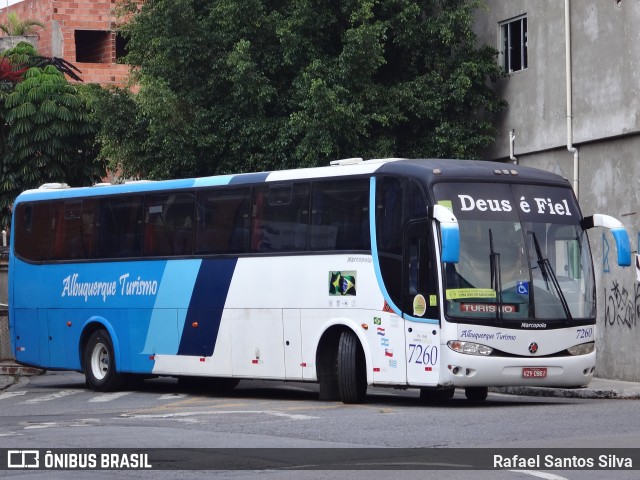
(462, 370)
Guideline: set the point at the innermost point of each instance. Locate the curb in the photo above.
(585, 392)
(19, 370)
(13, 374)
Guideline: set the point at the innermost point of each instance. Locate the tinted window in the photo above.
(32, 224)
(169, 221)
(73, 230)
(398, 202)
(280, 218)
(119, 227)
(222, 221)
(340, 215)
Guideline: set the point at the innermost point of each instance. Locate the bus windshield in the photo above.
(523, 254)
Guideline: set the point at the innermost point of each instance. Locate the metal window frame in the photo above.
(506, 43)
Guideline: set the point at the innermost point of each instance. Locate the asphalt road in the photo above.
(56, 411)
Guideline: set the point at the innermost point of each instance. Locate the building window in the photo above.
(121, 46)
(94, 46)
(513, 44)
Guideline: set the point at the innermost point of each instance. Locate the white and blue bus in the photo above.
(426, 274)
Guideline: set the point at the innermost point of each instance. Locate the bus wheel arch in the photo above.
(341, 365)
(98, 357)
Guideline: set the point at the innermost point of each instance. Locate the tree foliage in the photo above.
(15, 26)
(47, 132)
(238, 85)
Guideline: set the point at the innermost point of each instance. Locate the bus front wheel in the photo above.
(99, 363)
(352, 373)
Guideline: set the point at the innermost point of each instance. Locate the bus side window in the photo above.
(168, 224)
(119, 227)
(32, 230)
(340, 215)
(73, 230)
(398, 202)
(222, 224)
(280, 218)
(389, 196)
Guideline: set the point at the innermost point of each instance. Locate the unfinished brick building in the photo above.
(81, 32)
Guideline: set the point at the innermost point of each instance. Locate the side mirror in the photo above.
(449, 232)
(620, 235)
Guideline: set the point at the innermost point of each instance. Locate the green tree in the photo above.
(15, 26)
(47, 133)
(238, 85)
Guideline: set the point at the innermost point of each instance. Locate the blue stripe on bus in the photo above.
(245, 178)
(213, 181)
(374, 247)
(176, 289)
(200, 330)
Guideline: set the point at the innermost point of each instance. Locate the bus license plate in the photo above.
(529, 372)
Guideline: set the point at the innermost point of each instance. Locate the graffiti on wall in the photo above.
(622, 307)
(622, 304)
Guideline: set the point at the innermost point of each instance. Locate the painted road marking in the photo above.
(107, 397)
(172, 396)
(546, 476)
(51, 396)
(11, 394)
(81, 422)
(291, 416)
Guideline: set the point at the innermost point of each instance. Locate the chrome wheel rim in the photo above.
(100, 361)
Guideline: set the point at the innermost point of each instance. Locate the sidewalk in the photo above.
(11, 372)
(598, 388)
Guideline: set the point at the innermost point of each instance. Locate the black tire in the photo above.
(352, 373)
(437, 394)
(100, 364)
(476, 394)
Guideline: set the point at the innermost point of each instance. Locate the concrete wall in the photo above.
(9, 42)
(606, 129)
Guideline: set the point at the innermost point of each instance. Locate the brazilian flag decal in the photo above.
(342, 283)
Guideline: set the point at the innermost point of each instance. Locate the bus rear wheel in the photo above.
(352, 373)
(476, 394)
(100, 364)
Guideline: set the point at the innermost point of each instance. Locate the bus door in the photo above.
(419, 305)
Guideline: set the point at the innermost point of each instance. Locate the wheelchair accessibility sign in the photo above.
(522, 288)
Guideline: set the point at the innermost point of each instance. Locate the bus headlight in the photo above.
(582, 349)
(469, 348)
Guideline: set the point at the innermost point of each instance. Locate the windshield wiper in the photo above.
(496, 279)
(548, 274)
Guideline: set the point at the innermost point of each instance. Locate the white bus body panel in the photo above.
(277, 310)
